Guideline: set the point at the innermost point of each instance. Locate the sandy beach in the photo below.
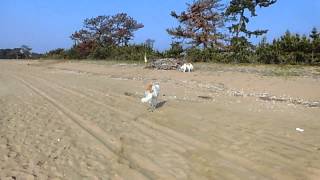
(84, 120)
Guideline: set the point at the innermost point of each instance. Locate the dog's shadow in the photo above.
(160, 104)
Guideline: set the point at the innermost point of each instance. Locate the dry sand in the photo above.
(84, 120)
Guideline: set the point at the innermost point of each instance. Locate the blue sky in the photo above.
(47, 24)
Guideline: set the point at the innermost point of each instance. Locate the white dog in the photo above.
(186, 67)
(151, 95)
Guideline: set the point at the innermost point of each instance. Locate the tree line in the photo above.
(208, 31)
(23, 52)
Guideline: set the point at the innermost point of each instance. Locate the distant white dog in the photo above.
(186, 67)
(151, 94)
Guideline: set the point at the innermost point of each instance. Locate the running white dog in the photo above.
(151, 95)
(186, 67)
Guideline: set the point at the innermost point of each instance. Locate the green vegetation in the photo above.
(208, 31)
(23, 52)
(290, 49)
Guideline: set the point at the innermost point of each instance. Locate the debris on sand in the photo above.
(166, 64)
(299, 129)
(291, 101)
(272, 98)
(130, 94)
(205, 97)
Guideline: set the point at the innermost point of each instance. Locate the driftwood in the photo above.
(165, 64)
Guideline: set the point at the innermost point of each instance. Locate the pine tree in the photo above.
(175, 51)
(239, 44)
(236, 11)
(315, 37)
(314, 34)
(200, 23)
(107, 30)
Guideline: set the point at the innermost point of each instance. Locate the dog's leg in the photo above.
(153, 104)
(150, 109)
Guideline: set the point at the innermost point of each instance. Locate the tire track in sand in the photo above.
(179, 138)
(164, 129)
(270, 137)
(135, 162)
(186, 145)
(178, 146)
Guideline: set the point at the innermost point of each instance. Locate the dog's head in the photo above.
(149, 87)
